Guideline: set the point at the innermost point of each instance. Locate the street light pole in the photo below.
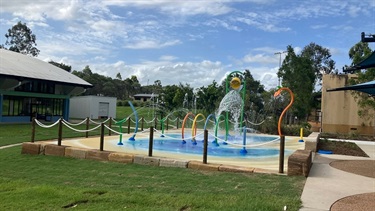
(279, 53)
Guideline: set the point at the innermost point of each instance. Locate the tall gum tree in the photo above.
(21, 39)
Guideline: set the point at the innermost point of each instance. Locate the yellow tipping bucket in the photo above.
(235, 83)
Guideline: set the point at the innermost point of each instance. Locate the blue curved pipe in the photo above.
(209, 116)
(136, 122)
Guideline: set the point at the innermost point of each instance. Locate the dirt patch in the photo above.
(356, 202)
(341, 148)
(360, 167)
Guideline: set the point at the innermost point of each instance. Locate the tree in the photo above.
(298, 74)
(359, 52)
(169, 92)
(21, 39)
(118, 76)
(320, 58)
(62, 66)
(209, 97)
(366, 103)
(157, 87)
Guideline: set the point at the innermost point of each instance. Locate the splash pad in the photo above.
(229, 114)
(226, 145)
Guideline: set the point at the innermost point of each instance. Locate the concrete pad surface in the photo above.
(325, 184)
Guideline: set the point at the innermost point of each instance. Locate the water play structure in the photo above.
(229, 114)
(222, 134)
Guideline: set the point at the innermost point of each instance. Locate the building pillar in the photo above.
(66, 109)
(1, 108)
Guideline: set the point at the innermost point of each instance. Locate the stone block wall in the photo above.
(93, 154)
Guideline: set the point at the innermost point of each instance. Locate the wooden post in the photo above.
(102, 137)
(205, 146)
(281, 155)
(87, 126)
(110, 126)
(129, 125)
(142, 123)
(151, 141)
(167, 123)
(59, 137)
(33, 130)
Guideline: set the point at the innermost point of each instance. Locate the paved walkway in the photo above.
(325, 184)
(12, 145)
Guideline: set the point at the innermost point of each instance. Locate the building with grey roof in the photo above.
(30, 88)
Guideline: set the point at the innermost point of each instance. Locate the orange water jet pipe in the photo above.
(286, 108)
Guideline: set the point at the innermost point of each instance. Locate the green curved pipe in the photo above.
(217, 127)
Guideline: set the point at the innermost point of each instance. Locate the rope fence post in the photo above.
(33, 130)
(142, 121)
(205, 146)
(110, 126)
(129, 125)
(281, 156)
(87, 126)
(151, 141)
(101, 136)
(59, 137)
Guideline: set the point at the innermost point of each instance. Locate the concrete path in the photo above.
(325, 184)
(12, 145)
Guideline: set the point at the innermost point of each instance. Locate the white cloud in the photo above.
(261, 24)
(261, 59)
(168, 58)
(180, 8)
(151, 44)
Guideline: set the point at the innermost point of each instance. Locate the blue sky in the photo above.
(193, 42)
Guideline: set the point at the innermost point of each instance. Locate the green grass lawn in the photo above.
(32, 182)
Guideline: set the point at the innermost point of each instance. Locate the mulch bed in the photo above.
(341, 148)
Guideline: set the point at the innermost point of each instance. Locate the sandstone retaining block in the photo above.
(238, 169)
(121, 157)
(30, 148)
(98, 155)
(173, 163)
(201, 166)
(299, 163)
(75, 152)
(55, 150)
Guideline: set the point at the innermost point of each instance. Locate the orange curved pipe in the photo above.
(183, 122)
(286, 108)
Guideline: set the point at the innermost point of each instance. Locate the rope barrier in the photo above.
(82, 131)
(115, 131)
(173, 120)
(256, 123)
(74, 124)
(98, 123)
(46, 126)
(132, 120)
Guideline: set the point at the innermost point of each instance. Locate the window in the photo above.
(26, 106)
